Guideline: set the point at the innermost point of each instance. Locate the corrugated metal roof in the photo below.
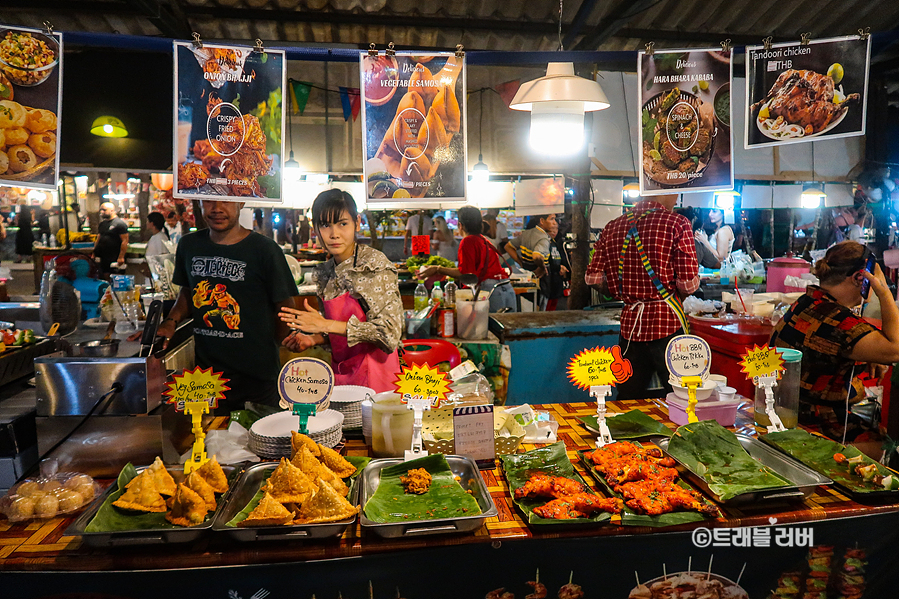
(505, 25)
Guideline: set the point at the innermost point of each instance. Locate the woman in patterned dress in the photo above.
(360, 296)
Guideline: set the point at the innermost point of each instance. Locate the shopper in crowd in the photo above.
(443, 242)
(647, 259)
(833, 340)
(112, 240)
(24, 236)
(497, 233)
(359, 291)
(159, 242)
(173, 227)
(477, 256)
(715, 235)
(418, 224)
(233, 283)
(558, 273)
(531, 248)
(705, 256)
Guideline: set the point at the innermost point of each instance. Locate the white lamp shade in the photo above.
(560, 84)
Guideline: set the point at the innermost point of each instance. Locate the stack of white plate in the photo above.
(366, 420)
(269, 437)
(347, 399)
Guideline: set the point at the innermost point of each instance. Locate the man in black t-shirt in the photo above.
(233, 284)
(112, 242)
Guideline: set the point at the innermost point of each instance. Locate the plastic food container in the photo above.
(60, 494)
(780, 268)
(472, 318)
(724, 412)
(704, 392)
(391, 426)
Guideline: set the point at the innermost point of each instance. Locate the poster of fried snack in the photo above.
(414, 130)
(30, 102)
(684, 121)
(799, 92)
(228, 118)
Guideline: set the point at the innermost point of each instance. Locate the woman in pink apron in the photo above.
(357, 286)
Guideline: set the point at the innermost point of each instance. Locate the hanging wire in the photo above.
(561, 47)
(480, 124)
(627, 115)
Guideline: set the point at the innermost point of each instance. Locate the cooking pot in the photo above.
(101, 348)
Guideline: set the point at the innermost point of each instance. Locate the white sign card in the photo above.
(473, 434)
(688, 355)
(307, 380)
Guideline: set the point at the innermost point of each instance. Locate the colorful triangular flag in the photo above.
(507, 90)
(299, 91)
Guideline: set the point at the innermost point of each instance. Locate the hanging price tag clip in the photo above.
(600, 393)
(768, 383)
(304, 411)
(198, 456)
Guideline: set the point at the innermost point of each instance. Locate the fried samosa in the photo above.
(422, 82)
(326, 505)
(434, 135)
(141, 495)
(164, 482)
(212, 472)
(298, 440)
(288, 484)
(305, 461)
(188, 509)
(267, 513)
(335, 481)
(447, 107)
(336, 462)
(394, 144)
(198, 484)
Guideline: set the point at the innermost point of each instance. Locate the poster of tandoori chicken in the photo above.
(30, 102)
(800, 92)
(414, 129)
(684, 121)
(228, 120)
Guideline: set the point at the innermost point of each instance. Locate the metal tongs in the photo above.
(151, 327)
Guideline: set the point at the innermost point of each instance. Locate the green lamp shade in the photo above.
(109, 126)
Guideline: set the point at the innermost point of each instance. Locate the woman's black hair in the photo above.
(158, 221)
(329, 205)
(470, 220)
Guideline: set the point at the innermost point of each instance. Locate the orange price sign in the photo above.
(599, 366)
(422, 381)
(196, 385)
(761, 361)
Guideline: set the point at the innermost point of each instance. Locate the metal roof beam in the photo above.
(166, 15)
(609, 26)
(580, 19)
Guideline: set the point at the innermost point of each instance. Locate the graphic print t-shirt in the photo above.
(232, 291)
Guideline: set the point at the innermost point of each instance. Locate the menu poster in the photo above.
(802, 92)
(30, 104)
(414, 129)
(228, 119)
(684, 121)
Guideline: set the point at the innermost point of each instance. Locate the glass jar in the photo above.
(391, 426)
(786, 393)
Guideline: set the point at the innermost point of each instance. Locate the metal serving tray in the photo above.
(152, 536)
(804, 479)
(246, 488)
(462, 466)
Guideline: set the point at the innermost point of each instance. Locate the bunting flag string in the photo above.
(351, 102)
(299, 91)
(508, 90)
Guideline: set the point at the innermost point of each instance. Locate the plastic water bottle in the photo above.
(437, 294)
(421, 298)
(449, 295)
(44, 240)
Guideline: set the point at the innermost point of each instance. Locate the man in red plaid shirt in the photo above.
(647, 321)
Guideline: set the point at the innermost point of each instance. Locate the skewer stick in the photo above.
(741, 573)
(690, 565)
(537, 577)
(665, 571)
(709, 575)
(571, 577)
(371, 591)
(637, 576)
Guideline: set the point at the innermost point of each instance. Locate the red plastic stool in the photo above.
(434, 352)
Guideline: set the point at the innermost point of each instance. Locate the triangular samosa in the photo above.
(298, 440)
(422, 81)
(198, 484)
(305, 461)
(267, 513)
(212, 472)
(188, 509)
(434, 135)
(335, 481)
(326, 505)
(288, 484)
(447, 108)
(336, 462)
(164, 482)
(141, 495)
(394, 144)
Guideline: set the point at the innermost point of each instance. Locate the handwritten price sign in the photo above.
(761, 361)
(422, 381)
(688, 355)
(196, 385)
(307, 380)
(599, 366)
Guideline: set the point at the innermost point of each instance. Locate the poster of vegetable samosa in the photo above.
(228, 119)
(413, 128)
(685, 116)
(30, 104)
(798, 92)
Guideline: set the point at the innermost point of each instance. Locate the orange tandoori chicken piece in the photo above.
(544, 485)
(662, 496)
(579, 505)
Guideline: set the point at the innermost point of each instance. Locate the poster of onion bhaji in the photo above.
(685, 116)
(228, 120)
(414, 129)
(798, 92)
(30, 102)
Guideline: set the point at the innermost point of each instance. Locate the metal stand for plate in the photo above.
(691, 383)
(418, 405)
(198, 456)
(304, 411)
(600, 393)
(768, 383)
